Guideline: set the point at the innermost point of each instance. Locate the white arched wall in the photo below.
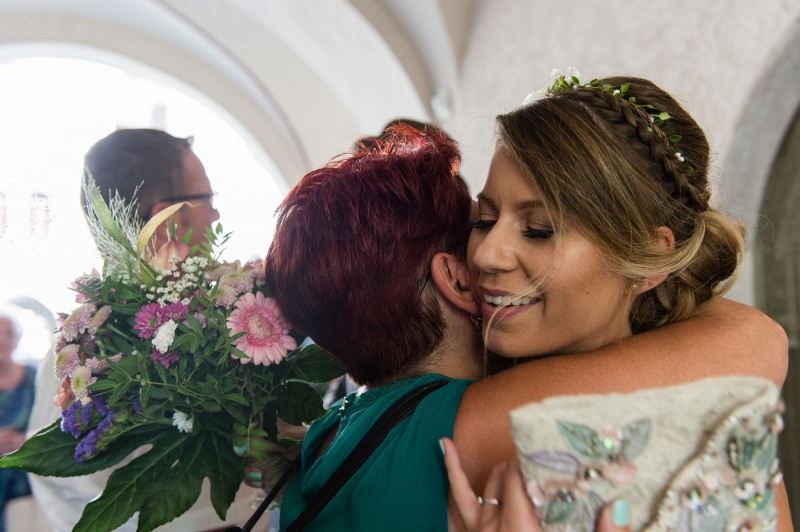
(297, 105)
(112, 42)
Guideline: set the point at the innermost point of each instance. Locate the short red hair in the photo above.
(350, 260)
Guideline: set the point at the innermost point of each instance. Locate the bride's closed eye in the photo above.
(482, 224)
(530, 232)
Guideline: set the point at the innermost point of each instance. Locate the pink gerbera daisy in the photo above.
(267, 337)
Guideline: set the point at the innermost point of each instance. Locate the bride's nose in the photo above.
(495, 252)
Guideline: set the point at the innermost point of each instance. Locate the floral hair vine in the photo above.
(571, 79)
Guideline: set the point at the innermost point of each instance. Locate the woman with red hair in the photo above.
(367, 260)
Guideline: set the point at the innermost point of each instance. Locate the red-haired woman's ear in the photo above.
(451, 278)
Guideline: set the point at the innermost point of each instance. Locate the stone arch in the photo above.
(763, 184)
(777, 276)
(196, 63)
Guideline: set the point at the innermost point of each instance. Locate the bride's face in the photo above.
(540, 293)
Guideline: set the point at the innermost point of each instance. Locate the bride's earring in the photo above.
(477, 321)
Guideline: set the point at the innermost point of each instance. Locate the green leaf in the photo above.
(176, 489)
(194, 323)
(127, 488)
(104, 217)
(119, 391)
(50, 452)
(144, 393)
(674, 138)
(314, 365)
(103, 386)
(224, 470)
(298, 403)
(236, 398)
(664, 116)
(623, 89)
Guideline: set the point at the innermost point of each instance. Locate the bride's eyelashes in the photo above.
(482, 224)
(543, 234)
(527, 232)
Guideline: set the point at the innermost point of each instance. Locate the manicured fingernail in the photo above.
(441, 446)
(620, 512)
(240, 449)
(254, 475)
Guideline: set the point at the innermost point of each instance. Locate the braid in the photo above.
(675, 179)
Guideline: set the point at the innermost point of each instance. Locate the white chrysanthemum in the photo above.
(164, 336)
(572, 72)
(182, 421)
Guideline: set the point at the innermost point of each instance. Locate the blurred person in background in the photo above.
(16, 400)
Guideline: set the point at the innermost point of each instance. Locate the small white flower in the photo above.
(616, 91)
(164, 336)
(182, 421)
(533, 96)
(679, 156)
(572, 72)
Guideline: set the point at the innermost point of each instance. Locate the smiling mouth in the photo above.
(508, 301)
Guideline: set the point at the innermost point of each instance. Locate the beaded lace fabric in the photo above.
(699, 456)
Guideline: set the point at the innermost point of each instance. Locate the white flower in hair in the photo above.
(533, 96)
(572, 72)
(558, 80)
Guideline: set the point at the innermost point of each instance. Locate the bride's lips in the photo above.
(497, 304)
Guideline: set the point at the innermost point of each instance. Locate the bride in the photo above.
(365, 261)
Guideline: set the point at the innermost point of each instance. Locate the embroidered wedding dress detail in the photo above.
(699, 456)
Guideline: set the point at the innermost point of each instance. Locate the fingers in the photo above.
(493, 491)
(517, 511)
(615, 517)
(460, 489)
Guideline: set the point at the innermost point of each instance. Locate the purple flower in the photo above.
(137, 405)
(101, 406)
(149, 319)
(78, 322)
(87, 447)
(165, 360)
(67, 360)
(86, 414)
(99, 319)
(69, 423)
(175, 311)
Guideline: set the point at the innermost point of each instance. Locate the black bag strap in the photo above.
(400, 410)
(248, 526)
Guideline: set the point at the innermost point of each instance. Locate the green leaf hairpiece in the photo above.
(571, 79)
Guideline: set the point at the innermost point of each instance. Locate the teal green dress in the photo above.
(402, 485)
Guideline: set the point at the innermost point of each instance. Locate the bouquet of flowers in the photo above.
(182, 358)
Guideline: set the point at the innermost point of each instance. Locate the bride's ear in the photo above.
(666, 240)
(451, 278)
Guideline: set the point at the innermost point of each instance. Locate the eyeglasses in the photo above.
(207, 197)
